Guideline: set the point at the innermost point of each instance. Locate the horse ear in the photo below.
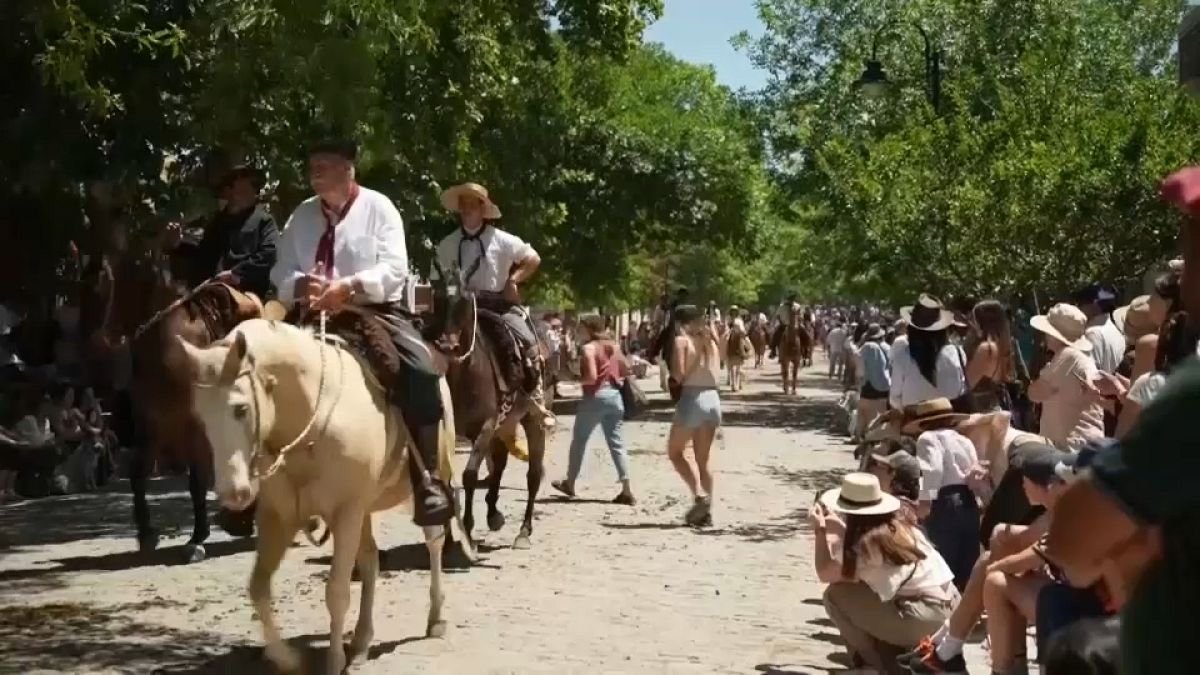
(193, 354)
(233, 359)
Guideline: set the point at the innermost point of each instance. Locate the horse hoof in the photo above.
(436, 629)
(147, 542)
(359, 644)
(194, 553)
(521, 543)
(495, 521)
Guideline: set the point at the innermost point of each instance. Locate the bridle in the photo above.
(258, 452)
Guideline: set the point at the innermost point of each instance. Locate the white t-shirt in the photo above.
(1108, 345)
(909, 386)
(368, 245)
(502, 251)
(925, 577)
(1146, 387)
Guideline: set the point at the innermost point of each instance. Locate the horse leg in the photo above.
(139, 471)
(495, 519)
(435, 626)
(536, 435)
(274, 537)
(368, 572)
(198, 487)
(347, 529)
(480, 446)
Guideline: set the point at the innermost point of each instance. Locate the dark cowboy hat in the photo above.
(928, 314)
(685, 314)
(255, 175)
(874, 332)
(935, 409)
(343, 147)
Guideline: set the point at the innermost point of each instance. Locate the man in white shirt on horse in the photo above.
(783, 316)
(345, 246)
(493, 264)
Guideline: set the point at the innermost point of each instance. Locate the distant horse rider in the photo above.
(493, 264)
(345, 246)
(783, 317)
(239, 240)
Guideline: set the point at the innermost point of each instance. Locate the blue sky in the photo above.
(699, 31)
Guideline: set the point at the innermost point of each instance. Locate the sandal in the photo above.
(562, 486)
(625, 499)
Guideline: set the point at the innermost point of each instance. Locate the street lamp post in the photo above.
(874, 81)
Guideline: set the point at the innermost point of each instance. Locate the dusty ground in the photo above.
(605, 589)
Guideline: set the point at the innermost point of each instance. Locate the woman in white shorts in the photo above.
(696, 365)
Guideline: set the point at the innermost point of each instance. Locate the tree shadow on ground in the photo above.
(816, 480)
(777, 529)
(107, 512)
(777, 669)
(760, 409)
(76, 637)
(250, 660)
(18, 581)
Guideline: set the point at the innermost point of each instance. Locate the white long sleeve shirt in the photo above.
(368, 245)
(909, 386)
(950, 457)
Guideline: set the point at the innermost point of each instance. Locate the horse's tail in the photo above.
(316, 524)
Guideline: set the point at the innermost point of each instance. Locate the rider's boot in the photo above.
(433, 503)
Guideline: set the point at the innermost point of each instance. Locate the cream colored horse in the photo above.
(306, 428)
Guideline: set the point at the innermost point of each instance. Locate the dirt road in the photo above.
(605, 589)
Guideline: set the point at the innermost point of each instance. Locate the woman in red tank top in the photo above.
(603, 368)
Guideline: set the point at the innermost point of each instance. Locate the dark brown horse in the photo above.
(794, 344)
(759, 339)
(143, 312)
(476, 384)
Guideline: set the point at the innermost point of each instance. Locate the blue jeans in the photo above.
(605, 409)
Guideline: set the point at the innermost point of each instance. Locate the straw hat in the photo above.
(1134, 319)
(1065, 323)
(451, 196)
(860, 494)
(928, 314)
(917, 416)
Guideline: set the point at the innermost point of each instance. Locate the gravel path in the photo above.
(605, 589)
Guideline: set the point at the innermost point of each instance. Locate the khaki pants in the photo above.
(868, 410)
(879, 631)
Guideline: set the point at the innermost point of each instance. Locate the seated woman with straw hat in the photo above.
(888, 586)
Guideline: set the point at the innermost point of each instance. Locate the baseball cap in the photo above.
(901, 462)
(1046, 464)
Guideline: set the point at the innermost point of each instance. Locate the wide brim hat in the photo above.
(1052, 323)
(935, 409)
(1134, 319)
(860, 495)
(451, 196)
(928, 314)
(874, 332)
(257, 176)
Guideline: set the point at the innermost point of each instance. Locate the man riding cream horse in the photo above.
(345, 247)
(493, 263)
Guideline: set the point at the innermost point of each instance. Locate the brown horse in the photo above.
(791, 352)
(476, 385)
(143, 312)
(806, 343)
(759, 340)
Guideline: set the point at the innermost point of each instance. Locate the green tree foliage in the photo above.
(599, 150)
(1039, 171)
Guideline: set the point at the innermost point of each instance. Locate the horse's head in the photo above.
(454, 315)
(233, 403)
